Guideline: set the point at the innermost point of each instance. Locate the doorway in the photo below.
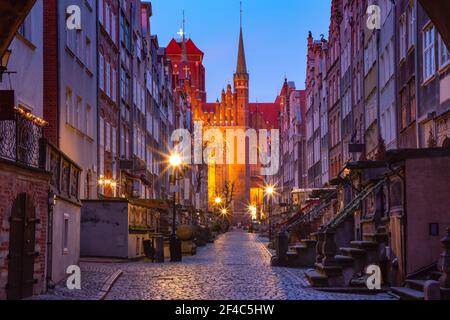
(21, 248)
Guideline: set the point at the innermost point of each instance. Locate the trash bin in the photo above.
(159, 249)
(149, 249)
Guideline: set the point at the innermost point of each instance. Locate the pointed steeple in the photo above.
(241, 62)
(184, 63)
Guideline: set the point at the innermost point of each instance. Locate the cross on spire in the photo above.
(182, 32)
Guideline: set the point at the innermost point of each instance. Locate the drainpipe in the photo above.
(397, 129)
(416, 67)
(378, 39)
(51, 205)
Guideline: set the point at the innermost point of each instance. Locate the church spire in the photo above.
(184, 63)
(241, 62)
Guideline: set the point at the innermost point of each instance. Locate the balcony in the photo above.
(19, 138)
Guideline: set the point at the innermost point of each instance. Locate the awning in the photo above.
(12, 15)
(438, 11)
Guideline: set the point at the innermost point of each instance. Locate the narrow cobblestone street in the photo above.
(235, 267)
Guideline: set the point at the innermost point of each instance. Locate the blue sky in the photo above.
(275, 34)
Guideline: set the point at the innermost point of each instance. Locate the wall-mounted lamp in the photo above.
(4, 63)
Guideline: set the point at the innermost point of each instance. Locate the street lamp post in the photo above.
(270, 191)
(175, 243)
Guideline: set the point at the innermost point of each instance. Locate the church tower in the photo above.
(241, 83)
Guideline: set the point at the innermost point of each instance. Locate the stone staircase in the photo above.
(414, 289)
(302, 254)
(345, 267)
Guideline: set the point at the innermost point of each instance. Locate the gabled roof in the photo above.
(174, 47)
(269, 111)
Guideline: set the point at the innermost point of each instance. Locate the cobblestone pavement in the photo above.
(235, 267)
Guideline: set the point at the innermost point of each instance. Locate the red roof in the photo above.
(174, 48)
(269, 111)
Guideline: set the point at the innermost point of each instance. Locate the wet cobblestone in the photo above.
(235, 267)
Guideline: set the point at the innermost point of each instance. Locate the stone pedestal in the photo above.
(329, 248)
(444, 263)
(320, 240)
(282, 248)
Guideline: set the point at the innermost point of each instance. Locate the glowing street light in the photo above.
(224, 212)
(218, 200)
(175, 160)
(270, 190)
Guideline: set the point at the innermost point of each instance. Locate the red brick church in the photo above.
(232, 111)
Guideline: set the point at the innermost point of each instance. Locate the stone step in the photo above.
(344, 260)
(352, 252)
(407, 293)
(313, 236)
(435, 275)
(309, 242)
(297, 246)
(316, 279)
(367, 245)
(416, 284)
(376, 237)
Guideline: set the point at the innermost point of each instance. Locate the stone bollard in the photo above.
(282, 248)
(432, 290)
(444, 265)
(329, 248)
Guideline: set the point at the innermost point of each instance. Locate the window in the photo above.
(444, 54)
(411, 26)
(113, 28)
(78, 112)
(69, 108)
(66, 234)
(89, 129)
(107, 19)
(79, 43)
(412, 100)
(108, 79)
(125, 32)
(102, 147)
(114, 85)
(404, 110)
(101, 5)
(101, 73)
(108, 137)
(429, 65)
(402, 37)
(434, 229)
(88, 61)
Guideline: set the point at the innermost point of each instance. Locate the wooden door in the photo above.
(21, 249)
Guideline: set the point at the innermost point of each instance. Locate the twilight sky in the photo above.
(275, 35)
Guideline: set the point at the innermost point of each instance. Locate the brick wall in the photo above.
(51, 83)
(16, 180)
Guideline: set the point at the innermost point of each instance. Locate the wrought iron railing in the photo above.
(19, 139)
(354, 204)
